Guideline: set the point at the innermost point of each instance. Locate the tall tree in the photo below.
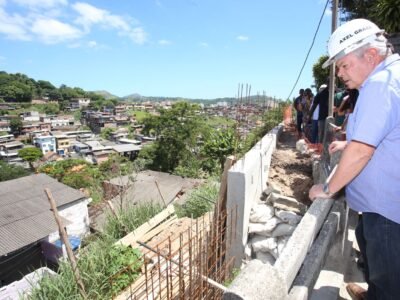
(385, 13)
(177, 130)
(30, 155)
(320, 75)
(16, 125)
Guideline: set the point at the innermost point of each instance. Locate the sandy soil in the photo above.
(290, 170)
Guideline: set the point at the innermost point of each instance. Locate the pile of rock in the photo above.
(272, 221)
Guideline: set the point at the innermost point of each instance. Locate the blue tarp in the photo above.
(73, 240)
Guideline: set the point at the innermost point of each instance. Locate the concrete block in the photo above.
(287, 203)
(257, 281)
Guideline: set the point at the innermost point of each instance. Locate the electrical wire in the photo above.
(309, 50)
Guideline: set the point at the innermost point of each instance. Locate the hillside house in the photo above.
(30, 116)
(9, 151)
(26, 221)
(45, 143)
(31, 127)
(62, 143)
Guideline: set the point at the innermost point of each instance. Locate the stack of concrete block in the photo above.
(272, 221)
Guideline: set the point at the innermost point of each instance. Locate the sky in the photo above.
(200, 49)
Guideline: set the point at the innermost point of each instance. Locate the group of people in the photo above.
(370, 160)
(311, 113)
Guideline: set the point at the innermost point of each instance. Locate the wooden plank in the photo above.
(131, 237)
(158, 229)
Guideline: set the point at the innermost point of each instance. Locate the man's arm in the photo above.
(354, 158)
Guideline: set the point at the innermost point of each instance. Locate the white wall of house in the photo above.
(77, 214)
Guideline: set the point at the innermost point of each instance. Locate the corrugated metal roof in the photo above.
(25, 215)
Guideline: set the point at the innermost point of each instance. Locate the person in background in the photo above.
(322, 101)
(337, 101)
(370, 162)
(347, 106)
(298, 106)
(307, 101)
(314, 117)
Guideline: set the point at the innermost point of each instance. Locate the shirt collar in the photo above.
(383, 64)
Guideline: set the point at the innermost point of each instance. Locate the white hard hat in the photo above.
(349, 37)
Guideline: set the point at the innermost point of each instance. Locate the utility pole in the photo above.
(332, 68)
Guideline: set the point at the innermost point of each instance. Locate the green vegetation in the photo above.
(30, 155)
(218, 122)
(320, 74)
(77, 173)
(8, 172)
(16, 125)
(129, 218)
(98, 263)
(385, 13)
(191, 146)
(140, 115)
(105, 268)
(200, 201)
(107, 132)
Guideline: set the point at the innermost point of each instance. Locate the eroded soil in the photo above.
(290, 170)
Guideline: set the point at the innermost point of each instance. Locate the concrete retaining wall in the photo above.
(246, 181)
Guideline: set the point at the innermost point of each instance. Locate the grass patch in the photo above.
(129, 218)
(100, 262)
(140, 115)
(200, 201)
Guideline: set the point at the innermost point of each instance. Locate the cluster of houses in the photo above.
(61, 136)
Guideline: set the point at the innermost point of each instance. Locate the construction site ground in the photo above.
(291, 172)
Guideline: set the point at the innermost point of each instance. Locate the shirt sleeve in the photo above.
(376, 113)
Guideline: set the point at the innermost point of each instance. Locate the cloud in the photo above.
(203, 44)
(164, 42)
(90, 15)
(53, 31)
(45, 21)
(14, 27)
(92, 44)
(40, 3)
(242, 38)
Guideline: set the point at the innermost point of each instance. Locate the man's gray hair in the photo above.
(380, 43)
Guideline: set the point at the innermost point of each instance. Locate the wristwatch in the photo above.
(325, 188)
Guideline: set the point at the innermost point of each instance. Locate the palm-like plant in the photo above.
(387, 14)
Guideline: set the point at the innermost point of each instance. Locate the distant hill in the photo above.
(106, 95)
(133, 97)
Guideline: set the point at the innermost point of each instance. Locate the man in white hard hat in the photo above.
(370, 163)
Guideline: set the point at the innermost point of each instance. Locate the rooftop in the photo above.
(25, 215)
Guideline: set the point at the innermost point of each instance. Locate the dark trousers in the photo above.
(314, 131)
(379, 242)
(299, 121)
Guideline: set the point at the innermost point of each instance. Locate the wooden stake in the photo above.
(159, 191)
(64, 238)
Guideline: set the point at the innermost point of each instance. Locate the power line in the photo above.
(309, 50)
